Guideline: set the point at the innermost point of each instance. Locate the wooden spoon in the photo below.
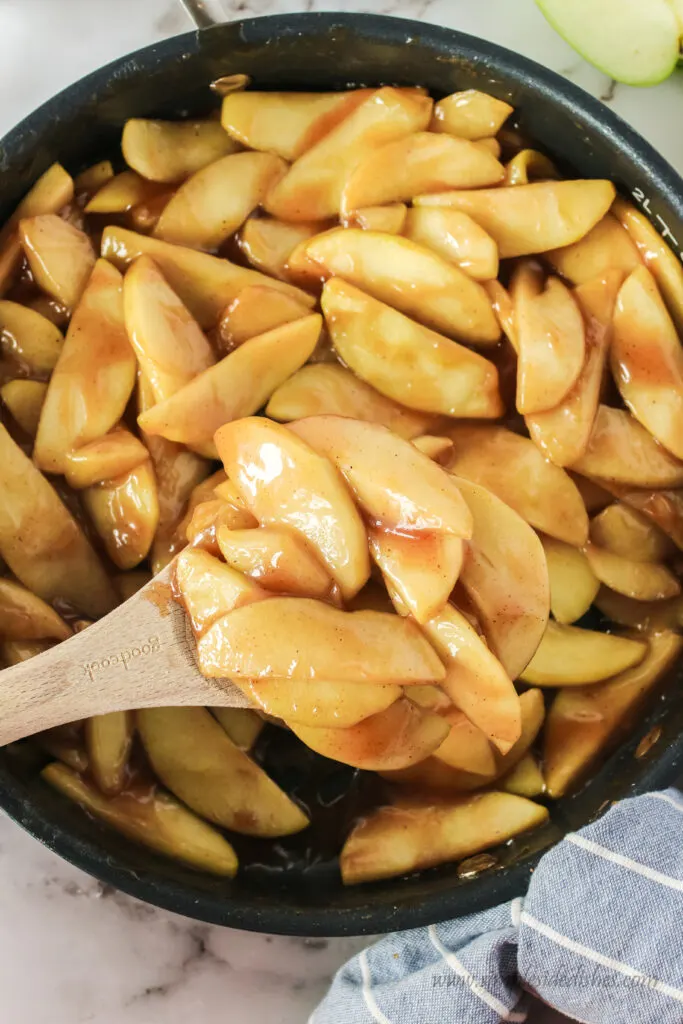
(140, 655)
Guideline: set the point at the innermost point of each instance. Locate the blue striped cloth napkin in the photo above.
(598, 936)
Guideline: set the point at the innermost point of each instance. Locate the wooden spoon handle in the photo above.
(141, 655)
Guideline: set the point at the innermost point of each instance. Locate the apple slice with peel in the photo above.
(284, 482)
(455, 237)
(320, 703)
(419, 571)
(299, 638)
(209, 589)
(569, 656)
(584, 721)
(399, 488)
(470, 115)
(400, 736)
(277, 558)
(657, 255)
(625, 532)
(475, 680)
(645, 616)
(573, 584)
(505, 576)
(408, 362)
(257, 309)
(643, 581)
(647, 360)
(631, 43)
(416, 835)
(514, 469)
(320, 389)
(607, 248)
(623, 452)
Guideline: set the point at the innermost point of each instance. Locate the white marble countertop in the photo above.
(71, 952)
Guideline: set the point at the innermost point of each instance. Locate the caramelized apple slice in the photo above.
(287, 123)
(646, 616)
(167, 340)
(569, 656)
(268, 243)
(209, 516)
(643, 581)
(622, 451)
(399, 488)
(204, 283)
(437, 448)
(329, 389)
(242, 725)
(169, 151)
(400, 736)
(94, 376)
(406, 361)
(505, 576)
(647, 360)
(312, 188)
(466, 746)
(605, 249)
(24, 399)
(625, 532)
(109, 739)
(277, 559)
(121, 193)
(237, 386)
(29, 337)
(595, 497)
(573, 584)
(455, 237)
(391, 219)
(418, 163)
(413, 279)
(25, 616)
(513, 468)
(60, 256)
(525, 779)
(150, 817)
(125, 513)
(213, 203)
(663, 507)
(528, 219)
(532, 708)
(320, 703)
(584, 721)
(298, 638)
(93, 178)
(529, 165)
(209, 589)
(110, 456)
(419, 571)
(257, 309)
(285, 483)
(470, 114)
(416, 835)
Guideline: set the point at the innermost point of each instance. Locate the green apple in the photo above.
(632, 41)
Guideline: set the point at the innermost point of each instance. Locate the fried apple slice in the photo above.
(419, 571)
(416, 164)
(169, 343)
(153, 818)
(399, 488)
(512, 468)
(257, 309)
(242, 725)
(287, 123)
(391, 219)
(405, 361)
(329, 389)
(504, 310)
(456, 238)
(93, 178)
(29, 337)
(24, 616)
(53, 190)
(209, 516)
(413, 279)
(204, 283)
(606, 248)
(312, 188)
(470, 114)
(525, 779)
(215, 201)
(466, 746)
(657, 256)
(60, 256)
(475, 680)
(299, 638)
(663, 507)
(437, 448)
(169, 151)
(528, 219)
(277, 559)
(625, 532)
(64, 742)
(595, 497)
(431, 697)
(583, 722)
(532, 708)
(563, 433)
(268, 243)
(568, 656)
(646, 616)
(236, 386)
(320, 703)
(529, 165)
(643, 581)
(647, 360)
(573, 584)
(417, 835)
(24, 399)
(121, 193)
(110, 456)
(396, 738)
(192, 755)
(125, 513)
(286, 483)
(208, 588)
(94, 376)
(109, 739)
(623, 452)
(42, 543)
